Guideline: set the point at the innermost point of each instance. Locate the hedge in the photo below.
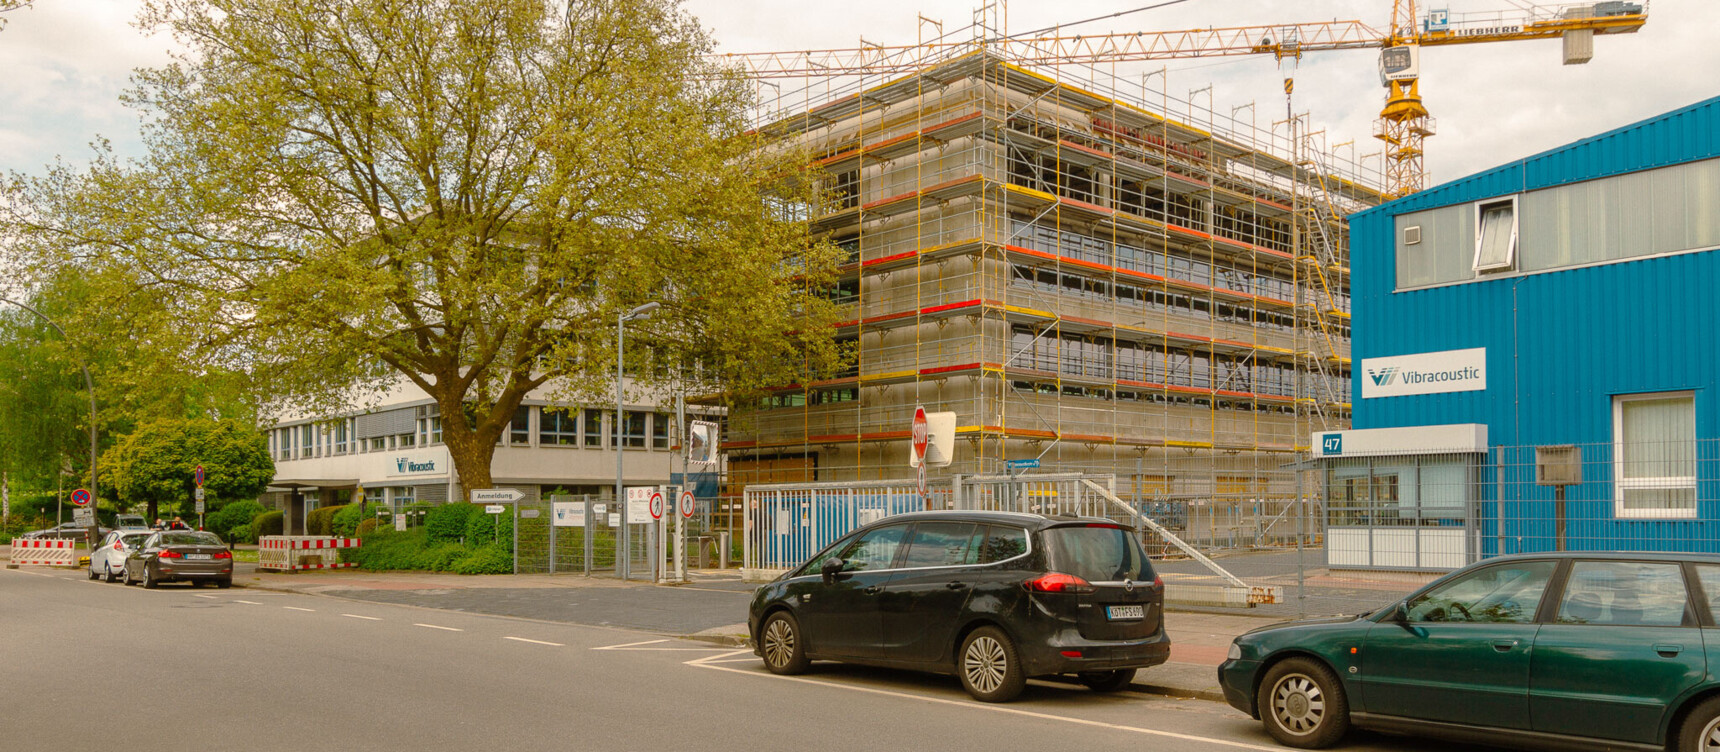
(320, 521)
(345, 522)
(268, 523)
(232, 515)
(491, 529)
(447, 523)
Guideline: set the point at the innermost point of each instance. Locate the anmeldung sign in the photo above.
(496, 495)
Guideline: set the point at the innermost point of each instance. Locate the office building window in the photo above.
(558, 428)
(593, 427)
(340, 436)
(520, 429)
(1654, 455)
(307, 441)
(1496, 235)
(660, 423)
(633, 433)
(429, 425)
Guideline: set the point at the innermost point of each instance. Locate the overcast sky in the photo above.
(66, 62)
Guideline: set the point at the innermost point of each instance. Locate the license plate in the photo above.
(205, 556)
(1115, 613)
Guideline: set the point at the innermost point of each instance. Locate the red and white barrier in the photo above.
(291, 553)
(44, 552)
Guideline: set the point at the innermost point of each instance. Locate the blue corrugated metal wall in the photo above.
(1559, 344)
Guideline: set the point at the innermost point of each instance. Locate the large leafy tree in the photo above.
(157, 463)
(461, 193)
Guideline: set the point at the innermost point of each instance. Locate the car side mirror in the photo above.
(1399, 615)
(829, 569)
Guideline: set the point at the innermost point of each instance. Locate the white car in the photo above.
(108, 561)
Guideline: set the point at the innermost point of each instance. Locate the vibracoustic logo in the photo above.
(1383, 376)
(405, 465)
(1423, 377)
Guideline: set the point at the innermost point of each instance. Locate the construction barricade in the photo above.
(291, 553)
(43, 552)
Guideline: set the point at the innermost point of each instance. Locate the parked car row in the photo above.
(1601, 651)
(165, 556)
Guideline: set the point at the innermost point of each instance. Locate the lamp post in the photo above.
(89, 386)
(624, 554)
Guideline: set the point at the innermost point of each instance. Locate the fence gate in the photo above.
(532, 536)
(786, 524)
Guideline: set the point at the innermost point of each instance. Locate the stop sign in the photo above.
(922, 434)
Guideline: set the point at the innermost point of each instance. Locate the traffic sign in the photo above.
(922, 433)
(200, 507)
(1023, 464)
(84, 516)
(688, 503)
(495, 509)
(198, 494)
(199, 476)
(656, 505)
(496, 495)
(81, 497)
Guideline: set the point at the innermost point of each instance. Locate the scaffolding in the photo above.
(1081, 276)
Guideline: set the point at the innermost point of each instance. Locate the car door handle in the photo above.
(1504, 646)
(1668, 651)
(955, 585)
(874, 590)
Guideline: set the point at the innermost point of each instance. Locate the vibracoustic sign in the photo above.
(1424, 373)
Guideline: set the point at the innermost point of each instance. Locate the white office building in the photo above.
(393, 451)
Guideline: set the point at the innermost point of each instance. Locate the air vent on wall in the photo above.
(1412, 235)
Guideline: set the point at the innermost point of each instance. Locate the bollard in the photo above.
(723, 548)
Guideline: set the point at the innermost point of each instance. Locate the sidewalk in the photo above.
(711, 608)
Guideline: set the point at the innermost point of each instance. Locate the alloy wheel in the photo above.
(779, 642)
(1298, 705)
(1709, 741)
(985, 664)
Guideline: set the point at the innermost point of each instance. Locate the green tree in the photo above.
(460, 193)
(156, 464)
(11, 5)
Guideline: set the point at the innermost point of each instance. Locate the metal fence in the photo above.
(787, 523)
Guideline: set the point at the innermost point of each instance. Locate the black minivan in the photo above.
(992, 597)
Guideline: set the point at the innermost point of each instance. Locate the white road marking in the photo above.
(296, 608)
(709, 662)
(629, 644)
(252, 603)
(367, 618)
(433, 626)
(536, 642)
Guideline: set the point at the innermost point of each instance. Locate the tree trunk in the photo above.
(471, 449)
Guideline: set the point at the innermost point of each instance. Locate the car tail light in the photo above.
(171, 554)
(1058, 582)
(1158, 582)
(223, 554)
(119, 545)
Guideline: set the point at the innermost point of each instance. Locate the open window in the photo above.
(1496, 235)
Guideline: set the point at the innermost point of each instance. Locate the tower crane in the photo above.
(1403, 124)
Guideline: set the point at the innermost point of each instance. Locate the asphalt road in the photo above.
(90, 665)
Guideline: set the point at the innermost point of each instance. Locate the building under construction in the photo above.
(1080, 277)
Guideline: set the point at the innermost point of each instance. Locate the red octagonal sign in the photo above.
(921, 433)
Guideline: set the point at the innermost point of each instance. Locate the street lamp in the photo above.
(623, 556)
(89, 386)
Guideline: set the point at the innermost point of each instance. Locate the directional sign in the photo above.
(688, 503)
(198, 494)
(495, 509)
(84, 516)
(1023, 464)
(496, 495)
(200, 507)
(81, 497)
(656, 505)
(199, 476)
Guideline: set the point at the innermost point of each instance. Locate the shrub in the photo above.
(485, 560)
(447, 523)
(438, 557)
(232, 515)
(268, 523)
(321, 520)
(491, 529)
(242, 534)
(345, 522)
(366, 528)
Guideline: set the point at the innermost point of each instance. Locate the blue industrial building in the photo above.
(1565, 305)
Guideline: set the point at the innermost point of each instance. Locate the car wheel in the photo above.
(781, 644)
(224, 582)
(110, 576)
(149, 580)
(1303, 704)
(93, 574)
(989, 667)
(1700, 731)
(1107, 681)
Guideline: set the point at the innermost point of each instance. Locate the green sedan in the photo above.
(1615, 651)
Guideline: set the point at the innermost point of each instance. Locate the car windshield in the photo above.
(190, 539)
(133, 540)
(1097, 553)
